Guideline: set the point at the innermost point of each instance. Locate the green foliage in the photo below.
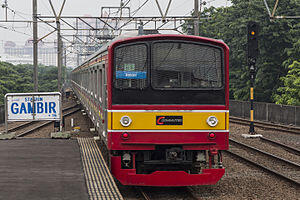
(18, 78)
(277, 43)
(290, 93)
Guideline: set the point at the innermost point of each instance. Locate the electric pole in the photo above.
(196, 15)
(59, 55)
(5, 5)
(59, 43)
(35, 45)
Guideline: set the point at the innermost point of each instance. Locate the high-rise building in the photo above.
(23, 54)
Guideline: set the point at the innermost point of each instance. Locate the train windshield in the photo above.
(178, 65)
(131, 66)
(168, 72)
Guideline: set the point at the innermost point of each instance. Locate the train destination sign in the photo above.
(33, 106)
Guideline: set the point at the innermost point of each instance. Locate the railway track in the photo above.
(142, 193)
(273, 164)
(26, 124)
(284, 146)
(35, 125)
(266, 125)
(185, 192)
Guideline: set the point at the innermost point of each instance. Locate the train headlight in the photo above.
(212, 121)
(125, 121)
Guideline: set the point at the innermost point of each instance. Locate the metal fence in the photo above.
(282, 114)
(2, 114)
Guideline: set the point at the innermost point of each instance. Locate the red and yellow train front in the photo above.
(167, 110)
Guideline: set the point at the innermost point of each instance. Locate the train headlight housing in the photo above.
(125, 121)
(212, 121)
(125, 136)
(211, 135)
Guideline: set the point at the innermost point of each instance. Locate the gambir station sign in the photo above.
(32, 106)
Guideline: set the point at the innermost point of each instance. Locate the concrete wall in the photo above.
(267, 112)
(2, 114)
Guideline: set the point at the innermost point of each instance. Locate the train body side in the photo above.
(164, 144)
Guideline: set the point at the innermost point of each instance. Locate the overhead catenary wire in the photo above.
(127, 20)
(18, 13)
(9, 28)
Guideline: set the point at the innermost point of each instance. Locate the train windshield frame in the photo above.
(132, 81)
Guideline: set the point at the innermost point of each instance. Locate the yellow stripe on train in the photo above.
(148, 120)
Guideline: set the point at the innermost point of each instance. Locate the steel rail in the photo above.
(265, 153)
(295, 150)
(44, 124)
(142, 193)
(184, 190)
(263, 167)
(33, 122)
(21, 126)
(266, 125)
(276, 173)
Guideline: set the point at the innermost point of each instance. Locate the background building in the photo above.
(23, 54)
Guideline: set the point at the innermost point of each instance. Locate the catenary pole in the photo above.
(59, 55)
(35, 45)
(196, 14)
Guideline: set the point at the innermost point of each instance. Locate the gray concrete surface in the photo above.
(38, 169)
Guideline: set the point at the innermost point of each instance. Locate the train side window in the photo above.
(100, 86)
(90, 81)
(82, 78)
(95, 84)
(86, 81)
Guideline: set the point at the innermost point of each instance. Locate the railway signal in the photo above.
(252, 39)
(252, 57)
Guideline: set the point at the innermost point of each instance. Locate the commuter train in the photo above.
(160, 103)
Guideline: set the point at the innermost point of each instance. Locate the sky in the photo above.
(22, 10)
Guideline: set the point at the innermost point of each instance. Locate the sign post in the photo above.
(33, 107)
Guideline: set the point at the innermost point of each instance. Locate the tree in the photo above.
(276, 39)
(289, 94)
(18, 78)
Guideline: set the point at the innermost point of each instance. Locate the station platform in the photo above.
(53, 169)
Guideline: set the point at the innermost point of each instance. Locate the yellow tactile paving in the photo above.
(99, 180)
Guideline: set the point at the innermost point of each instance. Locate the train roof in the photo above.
(126, 35)
(134, 34)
